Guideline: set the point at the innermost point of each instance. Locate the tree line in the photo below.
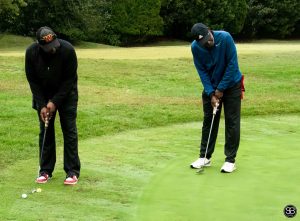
(127, 22)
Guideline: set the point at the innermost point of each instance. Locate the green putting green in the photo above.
(266, 179)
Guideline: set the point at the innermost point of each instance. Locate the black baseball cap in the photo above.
(200, 33)
(47, 39)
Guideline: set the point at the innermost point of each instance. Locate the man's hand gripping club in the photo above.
(48, 111)
(216, 99)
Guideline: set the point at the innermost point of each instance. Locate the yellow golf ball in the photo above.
(38, 190)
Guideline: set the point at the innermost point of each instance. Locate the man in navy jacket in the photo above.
(215, 59)
(51, 70)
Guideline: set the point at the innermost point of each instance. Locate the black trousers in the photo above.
(67, 114)
(232, 110)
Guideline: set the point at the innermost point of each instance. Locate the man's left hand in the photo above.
(219, 94)
(51, 107)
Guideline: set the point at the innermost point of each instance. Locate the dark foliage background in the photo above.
(128, 22)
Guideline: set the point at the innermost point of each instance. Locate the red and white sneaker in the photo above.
(43, 178)
(71, 180)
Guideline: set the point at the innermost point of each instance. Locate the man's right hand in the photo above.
(214, 101)
(44, 114)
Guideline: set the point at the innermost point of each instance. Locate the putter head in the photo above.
(200, 170)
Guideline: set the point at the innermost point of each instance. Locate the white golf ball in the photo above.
(24, 195)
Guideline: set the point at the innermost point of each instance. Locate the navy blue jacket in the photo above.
(217, 67)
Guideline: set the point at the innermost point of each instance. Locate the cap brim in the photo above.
(205, 39)
(48, 47)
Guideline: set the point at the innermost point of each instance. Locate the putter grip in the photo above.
(215, 109)
(46, 122)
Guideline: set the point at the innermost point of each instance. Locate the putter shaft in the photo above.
(201, 169)
(43, 143)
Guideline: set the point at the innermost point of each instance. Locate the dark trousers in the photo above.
(67, 113)
(232, 110)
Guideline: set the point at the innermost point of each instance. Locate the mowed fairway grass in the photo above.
(139, 124)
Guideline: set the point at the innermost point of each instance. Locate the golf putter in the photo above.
(201, 169)
(43, 143)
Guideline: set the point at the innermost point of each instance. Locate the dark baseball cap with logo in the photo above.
(200, 33)
(47, 39)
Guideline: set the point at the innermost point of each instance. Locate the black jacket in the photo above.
(51, 76)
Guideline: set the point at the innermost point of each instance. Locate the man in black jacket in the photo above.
(51, 70)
